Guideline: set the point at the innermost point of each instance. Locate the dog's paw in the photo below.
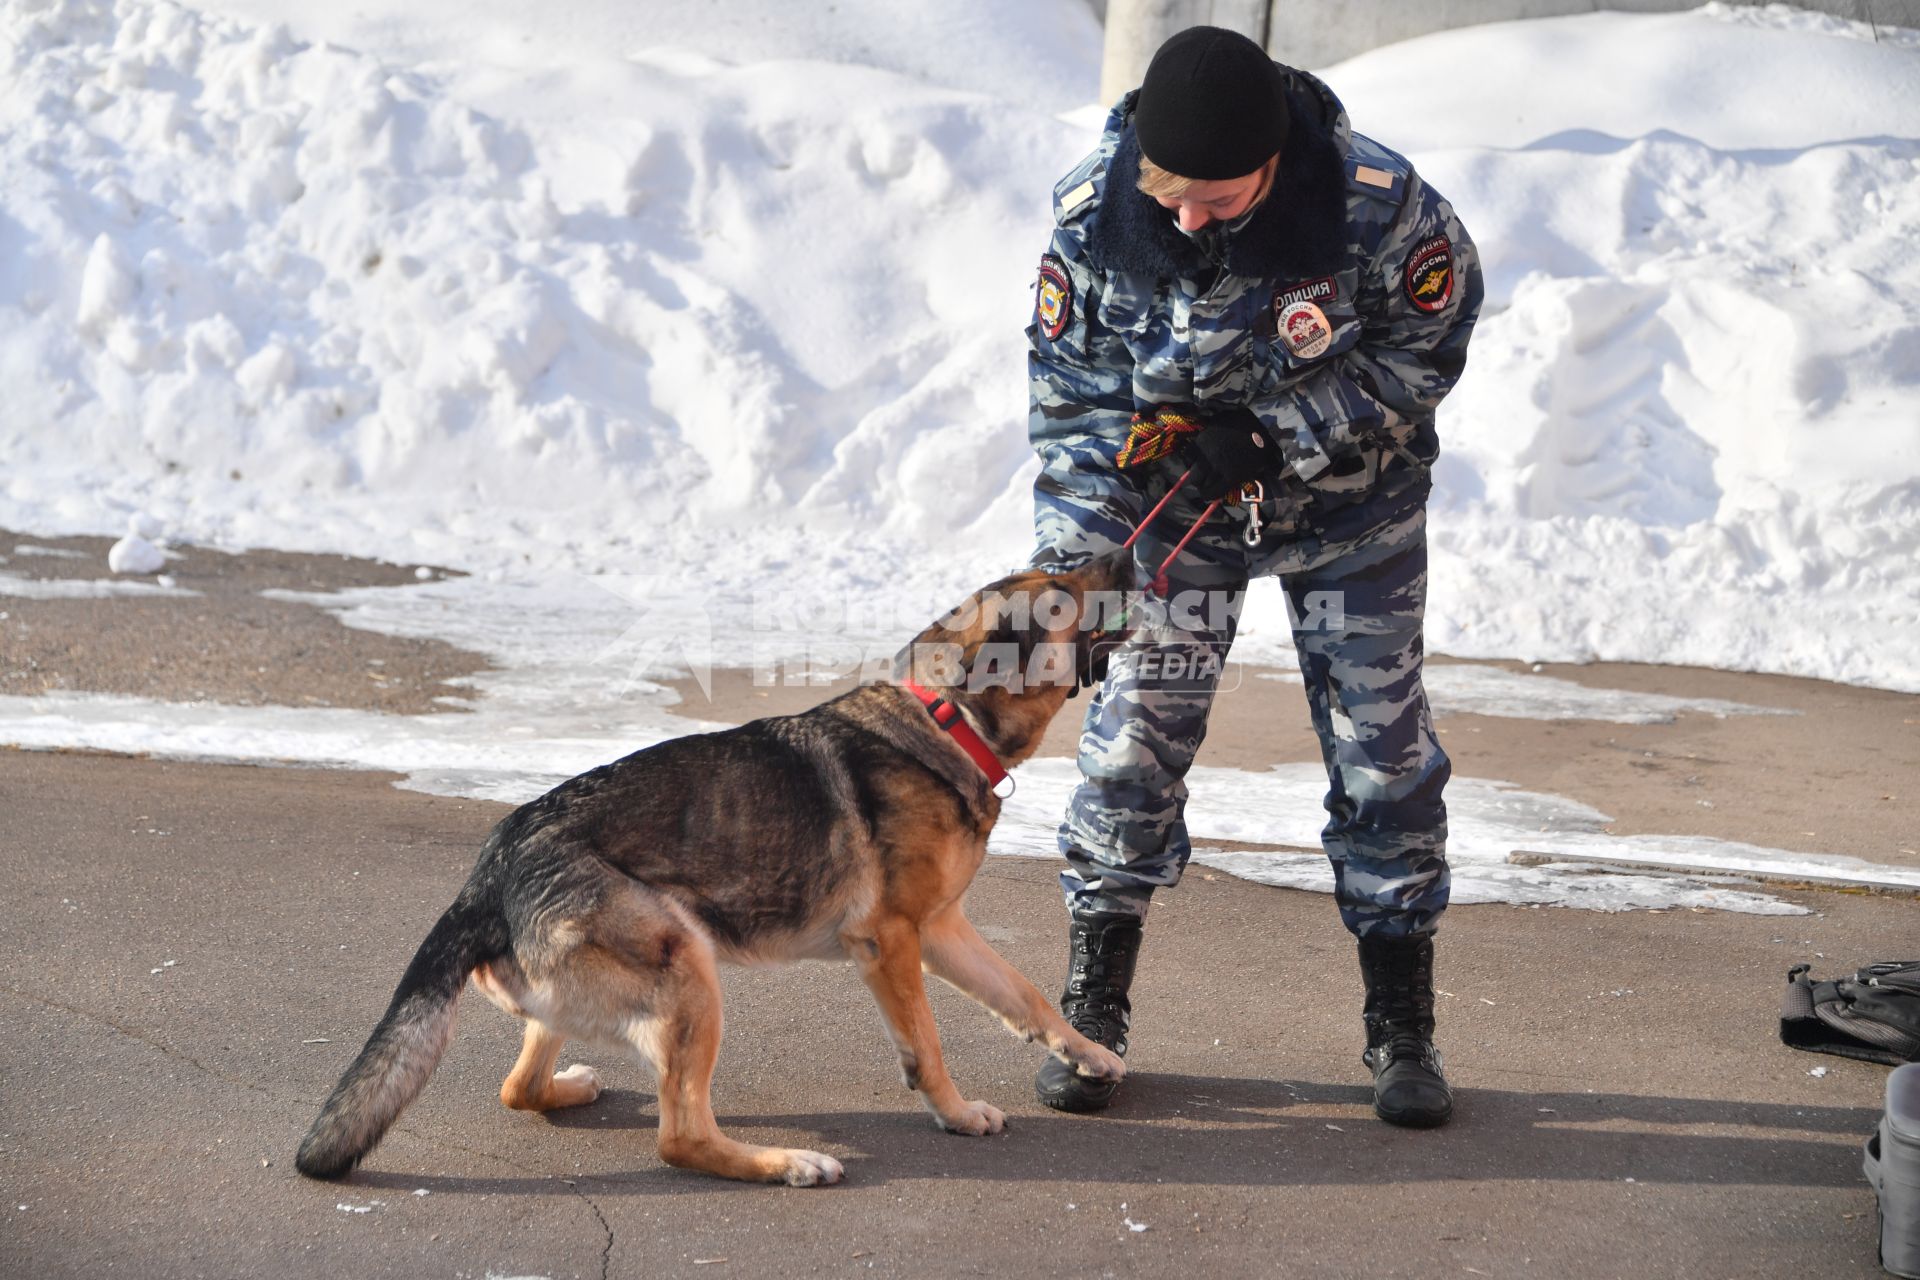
(577, 1085)
(1097, 1062)
(811, 1169)
(975, 1119)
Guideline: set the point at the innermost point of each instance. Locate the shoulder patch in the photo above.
(1073, 199)
(1053, 297)
(1429, 274)
(1372, 180)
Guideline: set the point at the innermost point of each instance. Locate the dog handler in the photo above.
(1240, 285)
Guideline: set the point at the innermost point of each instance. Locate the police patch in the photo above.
(1429, 274)
(1053, 297)
(1304, 328)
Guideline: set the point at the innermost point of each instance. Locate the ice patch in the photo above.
(499, 755)
(1486, 819)
(513, 755)
(87, 588)
(1458, 688)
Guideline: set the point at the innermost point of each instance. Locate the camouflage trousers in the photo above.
(1125, 835)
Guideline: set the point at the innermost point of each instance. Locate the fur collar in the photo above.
(1299, 230)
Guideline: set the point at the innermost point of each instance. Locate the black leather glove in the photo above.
(1230, 451)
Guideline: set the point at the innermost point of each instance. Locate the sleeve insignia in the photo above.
(1053, 297)
(1429, 274)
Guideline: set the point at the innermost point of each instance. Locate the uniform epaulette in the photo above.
(1372, 180)
(1071, 202)
(1373, 170)
(1079, 191)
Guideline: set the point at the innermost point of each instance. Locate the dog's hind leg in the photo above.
(954, 952)
(679, 1033)
(533, 1085)
(889, 963)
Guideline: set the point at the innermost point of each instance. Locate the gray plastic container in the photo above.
(1893, 1168)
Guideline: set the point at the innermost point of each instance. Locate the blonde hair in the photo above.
(1158, 183)
(1162, 185)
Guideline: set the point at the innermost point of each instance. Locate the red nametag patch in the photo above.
(1430, 274)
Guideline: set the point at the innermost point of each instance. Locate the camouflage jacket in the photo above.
(1338, 310)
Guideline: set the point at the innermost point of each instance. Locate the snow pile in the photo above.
(1736, 77)
(1690, 429)
(134, 553)
(1034, 53)
(279, 292)
(626, 289)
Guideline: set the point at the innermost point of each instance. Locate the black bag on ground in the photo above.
(1873, 1016)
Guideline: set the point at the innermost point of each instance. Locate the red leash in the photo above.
(1159, 584)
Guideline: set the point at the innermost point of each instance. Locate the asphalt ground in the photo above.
(193, 952)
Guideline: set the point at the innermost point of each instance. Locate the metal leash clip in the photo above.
(1252, 494)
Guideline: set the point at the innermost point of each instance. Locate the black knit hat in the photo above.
(1212, 106)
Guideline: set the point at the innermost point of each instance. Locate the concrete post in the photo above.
(1135, 28)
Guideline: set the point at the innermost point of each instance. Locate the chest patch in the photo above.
(1053, 297)
(1429, 275)
(1321, 290)
(1304, 328)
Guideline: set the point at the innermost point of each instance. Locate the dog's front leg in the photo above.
(957, 955)
(889, 961)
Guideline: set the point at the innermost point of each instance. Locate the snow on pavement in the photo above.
(86, 588)
(577, 683)
(511, 757)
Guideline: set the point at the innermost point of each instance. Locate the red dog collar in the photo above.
(948, 717)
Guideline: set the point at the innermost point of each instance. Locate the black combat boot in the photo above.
(1408, 1087)
(1102, 948)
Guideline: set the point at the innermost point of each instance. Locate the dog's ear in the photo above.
(1108, 594)
(991, 637)
(983, 631)
(1005, 632)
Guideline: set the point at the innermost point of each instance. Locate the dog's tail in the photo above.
(404, 1049)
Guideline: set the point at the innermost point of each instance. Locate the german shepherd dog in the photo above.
(851, 830)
